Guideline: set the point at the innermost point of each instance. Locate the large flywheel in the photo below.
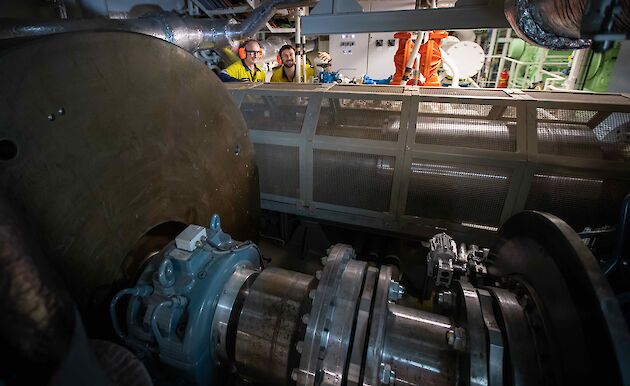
(107, 137)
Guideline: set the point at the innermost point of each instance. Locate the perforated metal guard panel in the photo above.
(465, 109)
(471, 133)
(579, 201)
(609, 138)
(279, 169)
(352, 179)
(440, 124)
(563, 115)
(289, 86)
(568, 140)
(274, 113)
(463, 92)
(449, 185)
(359, 118)
(578, 97)
(614, 135)
(458, 192)
(369, 89)
(510, 112)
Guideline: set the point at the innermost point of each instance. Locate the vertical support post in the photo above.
(304, 76)
(512, 81)
(306, 149)
(298, 47)
(578, 68)
(506, 44)
(486, 69)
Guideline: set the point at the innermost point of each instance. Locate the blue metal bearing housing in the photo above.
(195, 282)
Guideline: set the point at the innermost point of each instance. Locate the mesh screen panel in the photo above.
(614, 128)
(274, 113)
(359, 118)
(454, 109)
(471, 133)
(279, 169)
(289, 86)
(369, 89)
(510, 112)
(569, 116)
(568, 140)
(609, 139)
(577, 97)
(353, 179)
(457, 192)
(578, 201)
(464, 92)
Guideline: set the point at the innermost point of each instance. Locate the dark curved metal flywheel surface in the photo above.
(104, 136)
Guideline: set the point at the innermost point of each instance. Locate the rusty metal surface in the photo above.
(117, 133)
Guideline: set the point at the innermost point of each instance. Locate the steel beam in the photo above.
(408, 20)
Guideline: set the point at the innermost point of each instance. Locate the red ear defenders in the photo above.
(243, 54)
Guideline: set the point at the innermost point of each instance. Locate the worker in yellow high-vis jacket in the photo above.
(247, 69)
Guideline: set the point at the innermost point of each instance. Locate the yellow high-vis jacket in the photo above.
(241, 72)
(278, 75)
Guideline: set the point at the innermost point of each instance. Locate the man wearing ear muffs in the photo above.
(286, 72)
(247, 69)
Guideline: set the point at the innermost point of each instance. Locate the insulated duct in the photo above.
(566, 24)
(191, 34)
(272, 45)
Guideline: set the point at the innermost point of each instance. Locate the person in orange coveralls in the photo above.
(430, 58)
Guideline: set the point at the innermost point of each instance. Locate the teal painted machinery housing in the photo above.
(173, 305)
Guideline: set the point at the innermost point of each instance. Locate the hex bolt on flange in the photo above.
(387, 374)
(456, 338)
(396, 291)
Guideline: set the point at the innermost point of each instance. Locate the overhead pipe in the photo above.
(418, 77)
(453, 66)
(414, 54)
(191, 34)
(272, 45)
(260, 17)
